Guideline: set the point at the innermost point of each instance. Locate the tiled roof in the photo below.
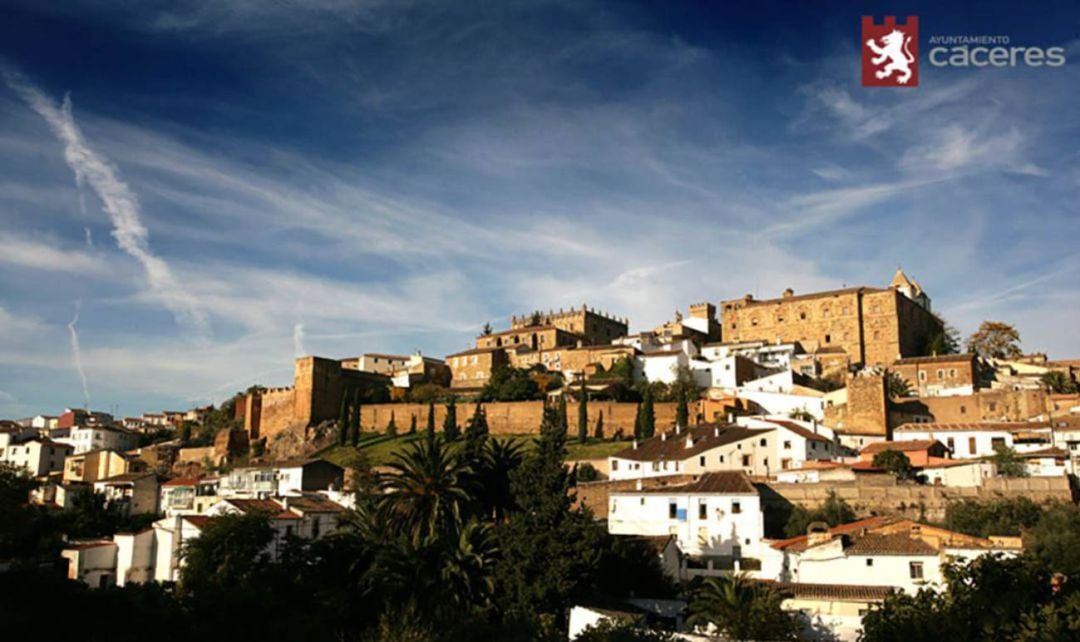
(886, 544)
(902, 446)
(314, 504)
(198, 521)
(673, 448)
(1045, 452)
(466, 353)
(269, 506)
(725, 483)
(972, 426)
(799, 543)
(126, 477)
(801, 431)
(813, 295)
(76, 545)
(832, 592)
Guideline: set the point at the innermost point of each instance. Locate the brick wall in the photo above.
(984, 405)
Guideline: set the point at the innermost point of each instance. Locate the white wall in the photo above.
(718, 533)
(961, 441)
(778, 403)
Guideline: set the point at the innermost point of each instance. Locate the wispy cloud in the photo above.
(118, 200)
(32, 253)
(76, 352)
(298, 339)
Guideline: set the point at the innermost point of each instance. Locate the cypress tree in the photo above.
(391, 428)
(431, 421)
(599, 433)
(476, 433)
(564, 423)
(450, 426)
(638, 430)
(354, 428)
(412, 425)
(682, 413)
(583, 413)
(343, 420)
(648, 416)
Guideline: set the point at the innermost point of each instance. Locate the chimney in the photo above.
(689, 441)
(788, 293)
(678, 428)
(814, 422)
(731, 417)
(638, 485)
(635, 444)
(285, 502)
(818, 533)
(716, 431)
(663, 436)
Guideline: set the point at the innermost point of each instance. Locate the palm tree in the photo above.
(500, 458)
(741, 609)
(425, 492)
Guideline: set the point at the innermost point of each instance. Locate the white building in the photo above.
(283, 477)
(99, 437)
(769, 355)
(717, 518)
(38, 456)
(968, 440)
(878, 551)
(759, 447)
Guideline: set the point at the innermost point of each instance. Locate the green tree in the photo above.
(1058, 382)
(391, 426)
(230, 554)
(1055, 539)
(611, 630)
(1008, 463)
(623, 371)
(450, 424)
(412, 425)
(354, 422)
(995, 340)
(947, 341)
(583, 413)
(487, 329)
(598, 432)
(648, 416)
(682, 410)
(639, 428)
(564, 420)
(833, 511)
(501, 457)
(507, 383)
(895, 462)
(343, 420)
(994, 517)
(741, 609)
(476, 433)
(424, 492)
(897, 386)
(431, 421)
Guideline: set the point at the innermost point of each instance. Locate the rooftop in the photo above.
(974, 426)
(674, 446)
(723, 483)
(902, 446)
(832, 592)
(941, 358)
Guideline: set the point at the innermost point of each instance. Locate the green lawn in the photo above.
(379, 448)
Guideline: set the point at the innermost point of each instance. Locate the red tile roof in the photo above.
(182, 481)
(799, 541)
(726, 483)
(902, 446)
(673, 447)
(801, 431)
(832, 592)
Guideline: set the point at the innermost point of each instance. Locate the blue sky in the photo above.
(231, 184)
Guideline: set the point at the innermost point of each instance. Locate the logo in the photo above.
(890, 53)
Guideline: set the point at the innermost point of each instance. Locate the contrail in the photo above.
(119, 201)
(76, 353)
(298, 339)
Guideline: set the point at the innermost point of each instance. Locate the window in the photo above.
(940, 374)
(971, 445)
(701, 460)
(963, 410)
(802, 315)
(916, 570)
(614, 464)
(672, 510)
(922, 375)
(997, 443)
(869, 561)
(951, 443)
(746, 460)
(952, 372)
(761, 442)
(721, 459)
(702, 511)
(656, 466)
(736, 507)
(828, 338)
(787, 445)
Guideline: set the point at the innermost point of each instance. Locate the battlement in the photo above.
(552, 317)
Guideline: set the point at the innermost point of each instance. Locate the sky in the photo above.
(192, 194)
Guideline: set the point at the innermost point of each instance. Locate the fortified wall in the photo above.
(514, 417)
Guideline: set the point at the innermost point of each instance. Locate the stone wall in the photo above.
(514, 417)
(881, 494)
(984, 405)
(276, 411)
(865, 412)
(594, 495)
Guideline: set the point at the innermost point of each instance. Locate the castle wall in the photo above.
(514, 417)
(276, 412)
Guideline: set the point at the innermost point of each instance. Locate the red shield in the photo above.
(890, 52)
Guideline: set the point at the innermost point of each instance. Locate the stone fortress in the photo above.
(851, 334)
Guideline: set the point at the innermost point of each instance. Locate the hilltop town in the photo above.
(829, 446)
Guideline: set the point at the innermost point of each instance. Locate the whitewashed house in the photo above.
(283, 477)
(968, 440)
(700, 449)
(717, 519)
(100, 437)
(878, 551)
